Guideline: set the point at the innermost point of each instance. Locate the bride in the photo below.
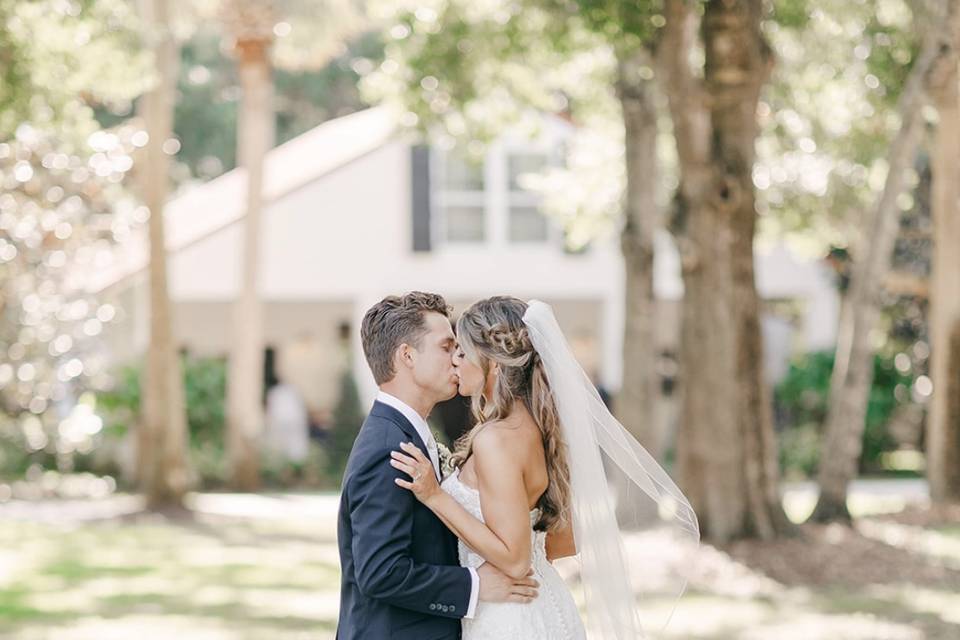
(529, 485)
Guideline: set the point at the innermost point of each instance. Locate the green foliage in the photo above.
(120, 403)
(632, 23)
(204, 393)
(348, 416)
(63, 201)
(827, 116)
(464, 71)
(204, 388)
(792, 14)
(60, 58)
(14, 72)
(61, 205)
(802, 398)
(892, 52)
(307, 97)
(205, 119)
(799, 451)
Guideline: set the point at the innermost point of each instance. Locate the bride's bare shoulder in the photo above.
(500, 439)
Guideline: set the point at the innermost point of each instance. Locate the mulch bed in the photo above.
(839, 556)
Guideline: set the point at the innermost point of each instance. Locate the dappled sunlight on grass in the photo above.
(706, 616)
(206, 577)
(215, 575)
(941, 603)
(932, 542)
(857, 626)
(866, 498)
(950, 530)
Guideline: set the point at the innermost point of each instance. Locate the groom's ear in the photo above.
(403, 356)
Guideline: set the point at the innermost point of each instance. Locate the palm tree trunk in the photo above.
(943, 425)
(162, 437)
(255, 135)
(726, 446)
(852, 375)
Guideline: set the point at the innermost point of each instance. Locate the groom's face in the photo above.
(433, 368)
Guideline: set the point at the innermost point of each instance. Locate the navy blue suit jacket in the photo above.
(401, 578)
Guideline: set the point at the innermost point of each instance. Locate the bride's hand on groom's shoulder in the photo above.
(423, 482)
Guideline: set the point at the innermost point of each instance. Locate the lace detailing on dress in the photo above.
(552, 616)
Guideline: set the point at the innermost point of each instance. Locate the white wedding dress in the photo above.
(552, 615)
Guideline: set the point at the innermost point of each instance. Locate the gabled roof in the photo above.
(204, 209)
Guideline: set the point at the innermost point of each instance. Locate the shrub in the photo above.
(802, 401)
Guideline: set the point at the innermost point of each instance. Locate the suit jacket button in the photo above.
(453, 608)
(445, 608)
(433, 607)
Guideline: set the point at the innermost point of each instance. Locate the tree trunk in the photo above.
(255, 136)
(852, 374)
(162, 437)
(943, 420)
(636, 402)
(726, 445)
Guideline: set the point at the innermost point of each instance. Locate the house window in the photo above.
(521, 164)
(488, 200)
(461, 173)
(464, 223)
(527, 222)
(461, 198)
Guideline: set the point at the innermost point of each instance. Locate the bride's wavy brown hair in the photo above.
(491, 332)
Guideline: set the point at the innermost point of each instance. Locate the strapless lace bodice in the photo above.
(469, 498)
(551, 616)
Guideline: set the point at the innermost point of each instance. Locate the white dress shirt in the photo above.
(420, 424)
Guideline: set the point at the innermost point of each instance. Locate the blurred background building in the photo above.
(358, 211)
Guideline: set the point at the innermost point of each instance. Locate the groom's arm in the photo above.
(381, 515)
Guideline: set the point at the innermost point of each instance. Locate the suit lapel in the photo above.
(383, 410)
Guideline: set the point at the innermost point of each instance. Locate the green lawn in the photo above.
(220, 575)
(147, 578)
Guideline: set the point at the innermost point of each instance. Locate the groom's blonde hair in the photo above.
(492, 331)
(393, 321)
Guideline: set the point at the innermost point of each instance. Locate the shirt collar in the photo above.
(415, 418)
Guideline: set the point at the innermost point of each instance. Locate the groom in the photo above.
(401, 579)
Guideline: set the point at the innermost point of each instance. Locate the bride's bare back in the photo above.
(514, 441)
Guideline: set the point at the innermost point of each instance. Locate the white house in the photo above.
(356, 211)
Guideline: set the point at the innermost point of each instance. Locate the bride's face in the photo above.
(470, 373)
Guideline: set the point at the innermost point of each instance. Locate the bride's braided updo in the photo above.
(491, 332)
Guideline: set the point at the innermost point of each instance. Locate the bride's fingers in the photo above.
(410, 448)
(407, 469)
(396, 455)
(525, 592)
(520, 598)
(409, 462)
(413, 462)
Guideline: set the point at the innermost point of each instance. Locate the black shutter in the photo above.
(270, 378)
(420, 196)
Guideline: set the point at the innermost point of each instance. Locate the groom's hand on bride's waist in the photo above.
(496, 586)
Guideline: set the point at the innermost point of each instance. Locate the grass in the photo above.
(140, 578)
(228, 577)
(952, 530)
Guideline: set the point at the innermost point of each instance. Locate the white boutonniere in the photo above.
(446, 468)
